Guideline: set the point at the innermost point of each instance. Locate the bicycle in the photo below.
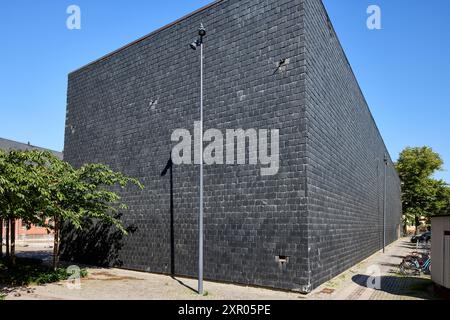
(413, 265)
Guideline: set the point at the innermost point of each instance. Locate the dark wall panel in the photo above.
(345, 171)
(123, 109)
(323, 209)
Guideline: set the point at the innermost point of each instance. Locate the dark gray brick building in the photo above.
(322, 212)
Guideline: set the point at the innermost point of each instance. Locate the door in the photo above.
(446, 262)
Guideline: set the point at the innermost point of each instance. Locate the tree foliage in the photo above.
(21, 185)
(422, 195)
(40, 189)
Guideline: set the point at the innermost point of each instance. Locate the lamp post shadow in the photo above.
(169, 168)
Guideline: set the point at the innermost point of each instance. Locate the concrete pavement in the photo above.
(107, 284)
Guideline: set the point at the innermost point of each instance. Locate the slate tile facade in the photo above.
(321, 211)
(345, 170)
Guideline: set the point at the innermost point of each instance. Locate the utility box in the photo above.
(440, 251)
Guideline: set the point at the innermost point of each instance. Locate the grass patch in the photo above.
(31, 272)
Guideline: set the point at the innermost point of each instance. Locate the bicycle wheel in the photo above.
(408, 268)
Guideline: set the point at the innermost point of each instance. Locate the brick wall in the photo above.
(249, 219)
(345, 170)
(23, 232)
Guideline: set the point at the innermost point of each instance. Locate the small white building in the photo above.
(440, 250)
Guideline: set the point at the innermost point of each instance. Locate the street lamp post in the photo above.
(384, 202)
(194, 45)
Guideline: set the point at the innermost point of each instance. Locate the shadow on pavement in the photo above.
(397, 256)
(184, 284)
(387, 264)
(44, 256)
(402, 285)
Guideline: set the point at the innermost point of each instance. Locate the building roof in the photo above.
(6, 144)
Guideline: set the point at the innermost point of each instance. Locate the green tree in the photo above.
(20, 191)
(421, 194)
(40, 189)
(81, 196)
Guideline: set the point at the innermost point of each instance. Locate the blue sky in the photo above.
(403, 69)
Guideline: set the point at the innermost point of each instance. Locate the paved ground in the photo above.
(352, 284)
(123, 284)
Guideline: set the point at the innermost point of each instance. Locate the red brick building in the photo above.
(21, 230)
(25, 233)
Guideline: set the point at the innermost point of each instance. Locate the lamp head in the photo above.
(193, 45)
(202, 30)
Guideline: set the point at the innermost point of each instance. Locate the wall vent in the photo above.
(282, 261)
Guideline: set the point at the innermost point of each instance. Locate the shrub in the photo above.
(31, 272)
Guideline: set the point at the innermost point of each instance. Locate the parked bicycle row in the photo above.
(419, 261)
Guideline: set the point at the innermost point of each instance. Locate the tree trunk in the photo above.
(7, 238)
(13, 242)
(56, 245)
(1, 238)
(417, 224)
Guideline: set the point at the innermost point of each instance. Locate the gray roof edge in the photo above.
(11, 144)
